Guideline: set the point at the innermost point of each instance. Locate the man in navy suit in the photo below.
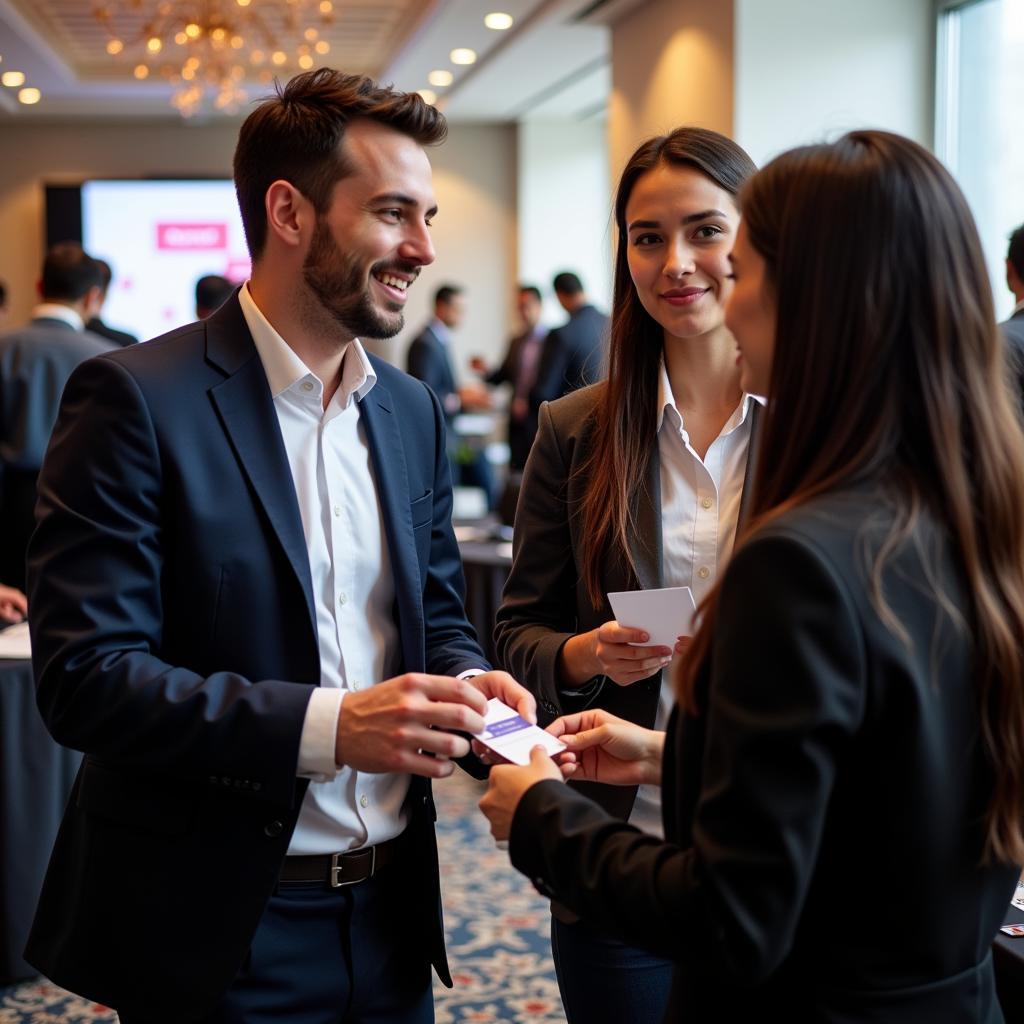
(1013, 328)
(246, 609)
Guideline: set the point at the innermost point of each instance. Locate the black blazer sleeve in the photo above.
(786, 693)
(538, 608)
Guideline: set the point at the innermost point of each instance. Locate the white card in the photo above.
(511, 736)
(666, 614)
(15, 643)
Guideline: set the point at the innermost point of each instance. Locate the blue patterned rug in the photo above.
(501, 962)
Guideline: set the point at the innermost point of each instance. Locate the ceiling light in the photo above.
(279, 57)
(498, 21)
(29, 96)
(322, 47)
(12, 79)
(306, 62)
(114, 47)
(154, 45)
(428, 96)
(462, 56)
(141, 71)
(440, 78)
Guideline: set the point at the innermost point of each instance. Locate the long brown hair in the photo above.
(888, 364)
(625, 417)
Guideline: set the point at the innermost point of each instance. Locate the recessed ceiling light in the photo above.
(462, 56)
(428, 96)
(440, 78)
(29, 96)
(499, 21)
(12, 79)
(141, 71)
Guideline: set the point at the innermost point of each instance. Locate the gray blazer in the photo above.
(545, 600)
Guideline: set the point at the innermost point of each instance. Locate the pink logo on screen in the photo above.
(191, 237)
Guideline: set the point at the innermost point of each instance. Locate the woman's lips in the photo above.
(684, 296)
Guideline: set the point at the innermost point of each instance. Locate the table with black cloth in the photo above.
(486, 565)
(36, 776)
(1008, 957)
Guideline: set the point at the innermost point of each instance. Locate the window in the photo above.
(980, 119)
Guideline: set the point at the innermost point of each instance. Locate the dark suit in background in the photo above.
(1013, 331)
(512, 371)
(175, 642)
(832, 786)
(573, 356)
(121, 338)
(35, 363)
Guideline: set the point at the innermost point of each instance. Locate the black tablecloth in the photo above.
(35, 779)
(1008, 955)
(486, 566)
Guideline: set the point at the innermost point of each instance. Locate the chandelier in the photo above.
(208, 49)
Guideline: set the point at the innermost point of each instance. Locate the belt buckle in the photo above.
(336, 869)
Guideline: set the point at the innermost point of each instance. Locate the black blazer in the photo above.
(545, 601)
(1013, 331)
(824, 812)
(427, 360)
(520, 432)
(573, 356)
(174, 641)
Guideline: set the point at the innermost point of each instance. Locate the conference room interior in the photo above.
(110, 137)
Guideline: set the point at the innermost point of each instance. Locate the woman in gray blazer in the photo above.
(634, 483)
(843, 777)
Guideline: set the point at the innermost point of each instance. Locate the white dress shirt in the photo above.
(700, 503)
(58, 311)
(353, 585)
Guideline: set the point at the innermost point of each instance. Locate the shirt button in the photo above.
(274, 829)
(307, 385)
(356, 685)
(364, 801)
(707, 503)
(703, 572)
(337, 510)
(343, 598)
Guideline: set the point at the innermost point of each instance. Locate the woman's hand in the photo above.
(607, 651)
(608, 749)
(506, 785)
(13, 604)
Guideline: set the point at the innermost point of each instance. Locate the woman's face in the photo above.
(750, 315)
(680, 227)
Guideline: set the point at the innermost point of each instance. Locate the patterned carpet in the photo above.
(501, 963)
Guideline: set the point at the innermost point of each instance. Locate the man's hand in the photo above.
(608, 749)
(607, 651)
(395, 725)
(506, 785)
(13, 604)
(508, 691)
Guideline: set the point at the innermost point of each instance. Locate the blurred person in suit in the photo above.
(5, 309)
(13, 605)
(246, 609)
(429, 360)
(35, 363)
(96, 325)
(636, 482)
(212, 291)
(1013, 328)
(519, 369)
(574, 354)
(851, 707)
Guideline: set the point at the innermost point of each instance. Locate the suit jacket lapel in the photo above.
(246, 409)
(387, 454)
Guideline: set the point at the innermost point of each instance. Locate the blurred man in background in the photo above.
(35, 363)
(212, 291)
(96, 325)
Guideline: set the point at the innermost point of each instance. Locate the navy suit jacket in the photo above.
(174, 642)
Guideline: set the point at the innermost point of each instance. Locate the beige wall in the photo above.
(672, 64)
(474, 179)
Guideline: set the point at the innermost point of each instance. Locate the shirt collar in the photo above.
(441, 331)
(667, 401)
(58, 311)
(284, 369)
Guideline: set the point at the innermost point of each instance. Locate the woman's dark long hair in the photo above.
(888, 364)
(626, 415)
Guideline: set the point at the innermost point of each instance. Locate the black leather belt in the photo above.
(339, 869)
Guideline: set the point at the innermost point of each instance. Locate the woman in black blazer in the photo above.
(843, 777)
(666, 438)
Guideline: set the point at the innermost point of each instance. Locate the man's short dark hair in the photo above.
(567, 283)
(446, 293)
(212, 291)
(105, 271)
(296, 134)
(1015, 254)
(530, 289)
(69, 272)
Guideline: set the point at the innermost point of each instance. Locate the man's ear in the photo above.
(92, 302)
(289, 213)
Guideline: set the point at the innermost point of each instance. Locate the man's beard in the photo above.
(337, 282)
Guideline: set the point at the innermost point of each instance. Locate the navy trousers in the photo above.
(332, 956)
(604, 981)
